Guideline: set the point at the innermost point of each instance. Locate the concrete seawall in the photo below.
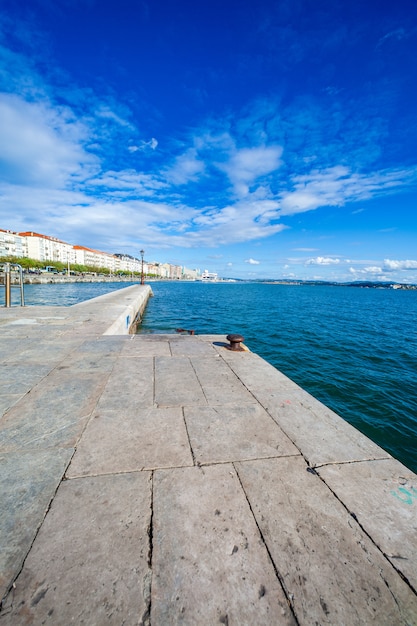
(58, 279)
(123, 306)
(164, 479)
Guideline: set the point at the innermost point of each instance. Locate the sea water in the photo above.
(355, 349)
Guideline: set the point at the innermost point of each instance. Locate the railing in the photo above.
(6, 269)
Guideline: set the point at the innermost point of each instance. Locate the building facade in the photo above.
(47, 249)
(50, 250)
(11, 244)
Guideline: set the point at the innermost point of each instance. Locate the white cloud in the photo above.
(186, 168)
(337, 185)
(105, 112)
(399, 265)
(373, 270)
(252, 262)
(320, 260)
(397, 34)
(144, 145)
(246, 165)
(41, 145)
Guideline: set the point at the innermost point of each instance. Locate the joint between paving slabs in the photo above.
(199, 381)
(287, 594)
(353, 515)
(10, 592)
(195, 463)
(154, 381)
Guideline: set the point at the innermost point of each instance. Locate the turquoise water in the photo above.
(354, 349)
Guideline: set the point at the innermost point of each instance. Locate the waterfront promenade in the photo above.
(164, 479)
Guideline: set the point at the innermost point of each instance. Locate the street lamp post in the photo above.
(142, 280)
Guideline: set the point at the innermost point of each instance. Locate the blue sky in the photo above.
(254, 139)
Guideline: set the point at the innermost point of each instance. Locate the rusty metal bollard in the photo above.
(235, 342)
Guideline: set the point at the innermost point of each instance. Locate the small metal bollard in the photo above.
(235, 342)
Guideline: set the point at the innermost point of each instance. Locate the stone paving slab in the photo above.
(22, 378)
(89, 564)
(383, 497)
(219, 383)
(188, 346)
(27, 352)
(176, 383)
(218, 570)
(130, 387)
(7, 400)
(54, 413)
(28, 481)
(125, 441)
(137, 346)
(326, 561)
(228, 433)
(250, 367)
(309, 423)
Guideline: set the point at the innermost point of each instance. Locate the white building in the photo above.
(11, 244)
(208, 276)
(44, 248)
(96, 258)
(130, 263)
(188, 274)
(50, 250)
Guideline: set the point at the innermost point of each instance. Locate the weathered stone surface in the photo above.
(28, 481)
(204, 408)
(383, 497)
(130, 387)
(89, 563)
(123, 441)
(332, 571)
(191, 346)
(135, 347)
(219, 383)
(320, 434)
(21, 378)
(54, 413)
(176, 383)
(256, 373)
(210, 565)
(48, 350)
(230, 433)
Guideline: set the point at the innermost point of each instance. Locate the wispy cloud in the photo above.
(252, 262)
(152, 144)
(42, 145)
(247, 165)
(338, 185)
(394, 35)
(320, 260)
(187, 167)
(372, 270)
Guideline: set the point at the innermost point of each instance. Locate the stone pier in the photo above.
(165, 479)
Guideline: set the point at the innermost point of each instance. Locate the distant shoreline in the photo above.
(49, 278)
